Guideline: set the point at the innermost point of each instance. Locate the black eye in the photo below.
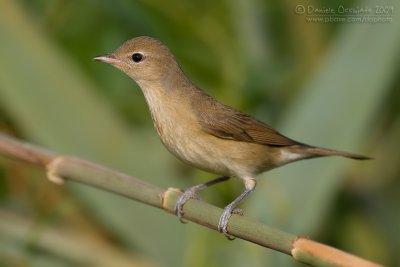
(137, 57)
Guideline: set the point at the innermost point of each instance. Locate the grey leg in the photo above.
(228, 210)
(191, 193)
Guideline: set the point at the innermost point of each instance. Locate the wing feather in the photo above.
(225, 122)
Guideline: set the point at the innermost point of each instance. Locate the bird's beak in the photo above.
(109, 59)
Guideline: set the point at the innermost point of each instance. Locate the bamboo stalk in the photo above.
(60, 168)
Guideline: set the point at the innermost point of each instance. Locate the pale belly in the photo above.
(183, 137)
(201, 154)
(219, 156)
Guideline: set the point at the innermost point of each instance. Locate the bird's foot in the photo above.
(238, 211)
(186, 195)
(224, 220)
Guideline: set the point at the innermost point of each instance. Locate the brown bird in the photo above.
(203, 132)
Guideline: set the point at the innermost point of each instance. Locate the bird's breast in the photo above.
(182, 135)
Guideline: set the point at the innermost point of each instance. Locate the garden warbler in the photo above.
(201, 131)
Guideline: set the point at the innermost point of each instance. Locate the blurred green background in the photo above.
(329, 84)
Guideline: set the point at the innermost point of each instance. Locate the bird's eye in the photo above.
(137, 57)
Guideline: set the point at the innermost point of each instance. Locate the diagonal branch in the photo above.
(60, 168)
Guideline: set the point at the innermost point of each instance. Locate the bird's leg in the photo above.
(191, 193)
(250, 185)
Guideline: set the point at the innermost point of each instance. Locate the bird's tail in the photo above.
(325, 152)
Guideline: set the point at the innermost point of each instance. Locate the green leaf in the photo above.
(53, 103)
(335, 109)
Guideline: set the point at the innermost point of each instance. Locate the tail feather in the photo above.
(325, 152)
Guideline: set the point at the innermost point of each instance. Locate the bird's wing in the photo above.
(225, 122)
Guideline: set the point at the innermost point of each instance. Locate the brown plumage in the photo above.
(225, 122)
(201, 131)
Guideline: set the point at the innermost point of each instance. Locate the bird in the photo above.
(203, 132)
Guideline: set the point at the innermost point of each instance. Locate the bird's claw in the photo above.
(238, 211)
(186, 195)
(224, 220)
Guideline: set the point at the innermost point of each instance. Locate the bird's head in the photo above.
(144, 59)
